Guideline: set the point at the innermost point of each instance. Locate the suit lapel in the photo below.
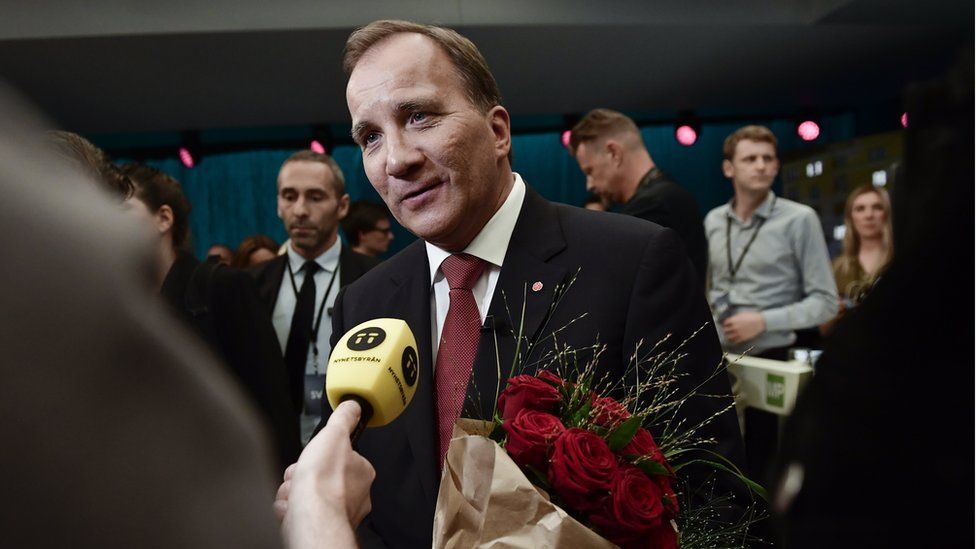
(348, 270)
(521, 302)
(410, 299)
(270, 283)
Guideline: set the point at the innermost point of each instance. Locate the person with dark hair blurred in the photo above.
(223, 253)
(312, 200)
(84, 156)
(221, 304)
(888, 417)
(254, 250)
(611, 153)
(151, 444)
(367, 227)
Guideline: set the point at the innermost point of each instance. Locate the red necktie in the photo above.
(459, 342)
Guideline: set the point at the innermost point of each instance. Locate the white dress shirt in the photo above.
(490, 245)
(288, 296)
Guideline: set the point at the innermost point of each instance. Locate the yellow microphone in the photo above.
(376, 365)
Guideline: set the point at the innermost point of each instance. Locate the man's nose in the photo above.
(300, 208)
(589, 184)
(402, 156)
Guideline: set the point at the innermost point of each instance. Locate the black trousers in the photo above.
(762, 432)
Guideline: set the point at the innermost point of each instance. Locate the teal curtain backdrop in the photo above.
(233, 194)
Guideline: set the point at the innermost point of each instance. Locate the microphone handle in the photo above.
(364, 417)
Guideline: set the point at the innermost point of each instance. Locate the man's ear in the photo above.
(164, 219)
(501, 128)
(616, 152)
(343, 206)
(727, 168)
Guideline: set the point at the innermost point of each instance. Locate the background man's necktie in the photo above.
(299, 336)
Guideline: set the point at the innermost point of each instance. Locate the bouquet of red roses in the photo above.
(562, 464)
(592, 456)
(573, 463)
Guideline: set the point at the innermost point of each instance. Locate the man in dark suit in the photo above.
(311, 200)
(610, 150)
(436, 143)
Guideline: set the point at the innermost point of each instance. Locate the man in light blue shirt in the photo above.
(769, 268)
(769, 271)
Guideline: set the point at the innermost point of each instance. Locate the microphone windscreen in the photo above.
(376, 361)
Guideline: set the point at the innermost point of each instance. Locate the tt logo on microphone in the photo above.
(409, 366)
(366, 339)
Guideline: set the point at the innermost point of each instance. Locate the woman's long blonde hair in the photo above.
(847, 261)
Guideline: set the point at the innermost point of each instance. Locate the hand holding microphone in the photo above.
(374, 364)
(325, 494)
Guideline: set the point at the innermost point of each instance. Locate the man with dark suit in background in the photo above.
(610, 150)
(311, 200)
(436, 146)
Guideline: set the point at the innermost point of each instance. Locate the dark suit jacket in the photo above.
(269, 276)
(660, 200)
(221, 305)
(634, 283)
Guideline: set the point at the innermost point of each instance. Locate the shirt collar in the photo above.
(765, 210)
(327, 260)
(492, 242)
(651, 176)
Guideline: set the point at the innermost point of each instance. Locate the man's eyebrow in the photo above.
(358, 130)
(414, 105)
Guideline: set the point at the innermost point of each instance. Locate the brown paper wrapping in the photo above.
(486, 501)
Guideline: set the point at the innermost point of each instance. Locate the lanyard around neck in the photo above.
(318, 320)
(734, 268)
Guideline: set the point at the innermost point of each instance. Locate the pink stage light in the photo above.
(686, 135)
(904, 119)
(566, 135)
(186, 158)
(808, 130)
(317, 146)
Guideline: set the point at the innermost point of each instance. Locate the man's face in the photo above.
(435, 159)
(377, 240)
(309, 207)
(753, 167)
(602, 174)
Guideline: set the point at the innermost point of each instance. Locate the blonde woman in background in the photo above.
(867, 248)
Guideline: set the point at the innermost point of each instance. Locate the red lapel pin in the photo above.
(537, 287)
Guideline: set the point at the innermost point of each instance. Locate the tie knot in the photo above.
(310, 268)
(462, 270)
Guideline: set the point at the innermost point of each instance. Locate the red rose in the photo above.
(552, 378)
(663, 536)
(530, 438)
(527, 392)
(607, 412)
(643, 445)
(632, 510)
(581, 468)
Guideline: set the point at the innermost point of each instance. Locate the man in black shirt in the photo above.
(609, 149)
